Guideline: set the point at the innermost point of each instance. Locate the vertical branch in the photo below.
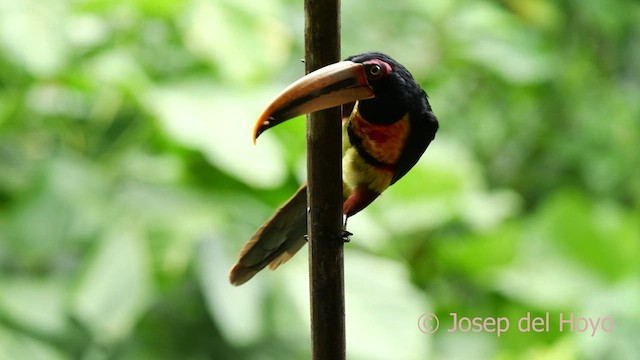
(324, 194)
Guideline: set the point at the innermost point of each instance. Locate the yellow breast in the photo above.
(383, 144)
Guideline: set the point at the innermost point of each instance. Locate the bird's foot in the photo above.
(345, 235)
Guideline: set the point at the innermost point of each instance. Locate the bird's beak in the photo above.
(330, 86)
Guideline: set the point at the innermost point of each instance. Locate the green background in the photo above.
(128, 181)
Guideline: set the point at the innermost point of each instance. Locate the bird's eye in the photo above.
(375, 70)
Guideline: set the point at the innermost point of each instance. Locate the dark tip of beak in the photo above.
(330, 86)
(262, 127)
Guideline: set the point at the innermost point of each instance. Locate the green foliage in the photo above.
(128, 181)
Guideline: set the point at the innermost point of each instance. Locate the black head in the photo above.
(396, 91)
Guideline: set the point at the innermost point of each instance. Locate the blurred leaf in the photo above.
(209, 119)
(488, 33)
(16, 346)
(480, 255)
(584, 231)
(540, 278)
(237, 309)
(33, 35)
(115, 287)
(36, 304)
(219, 31)
(380, 326)
(63, 200)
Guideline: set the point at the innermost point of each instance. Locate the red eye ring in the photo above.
(376, 69)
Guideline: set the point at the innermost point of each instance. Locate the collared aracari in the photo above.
(387, 125)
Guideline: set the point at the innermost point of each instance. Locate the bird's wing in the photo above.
(424, 125)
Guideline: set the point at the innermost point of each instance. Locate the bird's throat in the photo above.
(378, 144)
(381, 112)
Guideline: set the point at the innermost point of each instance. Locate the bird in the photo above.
(388, 124)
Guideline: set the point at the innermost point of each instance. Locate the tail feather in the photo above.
(276, 241)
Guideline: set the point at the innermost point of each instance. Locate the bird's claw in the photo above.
(345, 235)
